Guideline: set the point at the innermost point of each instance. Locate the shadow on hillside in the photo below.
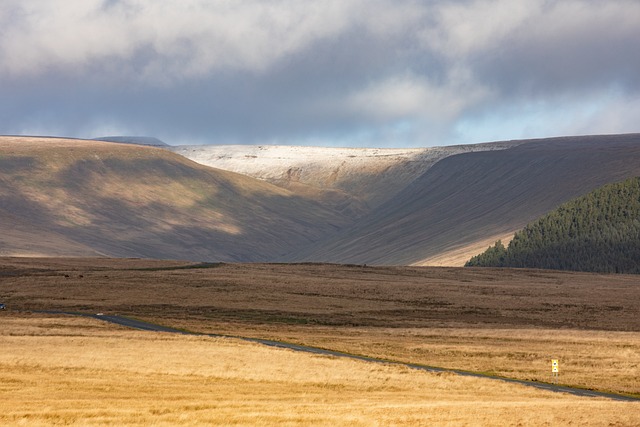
(218, 223)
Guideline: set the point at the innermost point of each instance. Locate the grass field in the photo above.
(69, 371)
(505, 322)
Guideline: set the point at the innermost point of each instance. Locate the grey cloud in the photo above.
(566, 49)
(337, 72)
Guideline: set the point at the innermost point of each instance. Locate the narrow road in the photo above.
(146, 326)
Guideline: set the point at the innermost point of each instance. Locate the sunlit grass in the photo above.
(82, 372)
(601, 360)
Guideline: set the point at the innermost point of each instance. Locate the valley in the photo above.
(477, 197)
(423, 206)
(310, 252)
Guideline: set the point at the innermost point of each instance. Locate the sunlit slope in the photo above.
(470, 198)
(75, 197)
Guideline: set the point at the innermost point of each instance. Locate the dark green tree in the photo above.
(598, 232)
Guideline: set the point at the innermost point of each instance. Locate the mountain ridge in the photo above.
(90, 198)
(101, 198)
(466, 198)
(361, 178)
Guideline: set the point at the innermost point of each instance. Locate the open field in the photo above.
(506, 322)
(71, 371)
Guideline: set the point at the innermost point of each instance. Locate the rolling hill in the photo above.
(138, 140)
(434, 206)
(352, 180)
(465, 201)
(68, 197)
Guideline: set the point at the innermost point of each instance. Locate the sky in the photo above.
(351, 73)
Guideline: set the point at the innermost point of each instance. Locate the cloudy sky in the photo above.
(333, 72)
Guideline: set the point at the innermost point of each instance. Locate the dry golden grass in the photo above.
(602, 360)
(507, 322)
(71, 371)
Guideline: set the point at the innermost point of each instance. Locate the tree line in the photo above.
(598, 232)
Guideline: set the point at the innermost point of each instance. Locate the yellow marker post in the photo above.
(555, 370)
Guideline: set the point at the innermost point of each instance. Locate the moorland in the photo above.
(508, 322)
(72, 371)
(85, 225)
(60, 369)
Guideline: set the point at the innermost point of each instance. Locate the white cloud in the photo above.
(617, 114)
(411, 96)
(190, 36)
(465, 27)
(186, 38)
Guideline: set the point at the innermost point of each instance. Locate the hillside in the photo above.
(352, 180)
(67, 197)
(467, 200)
(598, 232)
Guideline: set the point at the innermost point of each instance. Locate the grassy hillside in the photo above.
(62, 197)
(353, 180)
(468, 198)
(75, 197)
(598, 232)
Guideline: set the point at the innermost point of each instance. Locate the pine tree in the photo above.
(598, 232)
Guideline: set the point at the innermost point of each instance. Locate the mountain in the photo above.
(68, 197)
(435, 206)
(352, 180)
(465, 201)
(598, 232)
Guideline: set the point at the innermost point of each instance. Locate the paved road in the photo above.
(145, 326)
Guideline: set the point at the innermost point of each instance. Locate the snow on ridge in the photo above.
(272, 161)
(371, 175)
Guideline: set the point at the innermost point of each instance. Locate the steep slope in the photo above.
(469, 199)
(598, 232)
(75, 197)
(353, 180)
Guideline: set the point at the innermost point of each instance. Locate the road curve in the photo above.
(146, 326)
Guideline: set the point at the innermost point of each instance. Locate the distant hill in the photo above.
(353, 180)
(598, 232)
(430, 206)
(69, 197)
(138, 140)
(467, 201)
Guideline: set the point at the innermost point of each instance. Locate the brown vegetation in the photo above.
(507, 322)
(69, 371)
(65, 197)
